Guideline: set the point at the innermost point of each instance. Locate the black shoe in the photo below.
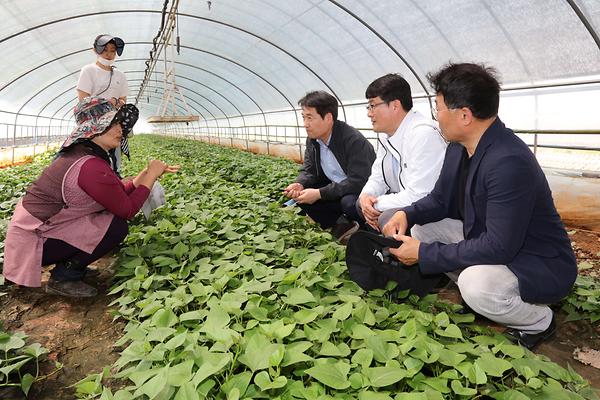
(530, 340)
(70, 288)
(343, 230)
(91, 273)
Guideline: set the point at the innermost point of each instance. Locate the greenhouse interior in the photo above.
(308, 199)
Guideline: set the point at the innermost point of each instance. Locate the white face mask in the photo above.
(105, 62)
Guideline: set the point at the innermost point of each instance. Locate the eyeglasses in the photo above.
(371, 107)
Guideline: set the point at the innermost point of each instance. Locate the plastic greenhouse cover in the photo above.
(254, 56)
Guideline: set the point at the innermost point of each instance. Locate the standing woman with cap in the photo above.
(102, 79)
(77, 210)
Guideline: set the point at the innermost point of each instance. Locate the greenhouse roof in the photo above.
(252, 56)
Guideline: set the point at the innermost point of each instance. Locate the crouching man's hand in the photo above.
(371, 214)
(309, 196)
(397, 225)
(408, 252)
(293, 190)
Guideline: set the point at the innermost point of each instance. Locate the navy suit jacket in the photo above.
(509, 218)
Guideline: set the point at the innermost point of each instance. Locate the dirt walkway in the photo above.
(78, 333)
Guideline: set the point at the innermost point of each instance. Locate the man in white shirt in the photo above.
(410, 154)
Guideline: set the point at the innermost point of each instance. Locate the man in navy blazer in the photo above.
(503, 240)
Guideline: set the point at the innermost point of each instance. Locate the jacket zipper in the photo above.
(400, 164)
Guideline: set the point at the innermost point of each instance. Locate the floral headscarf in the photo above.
(94, 115)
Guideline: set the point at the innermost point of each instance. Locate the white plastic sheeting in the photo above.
(241, 60)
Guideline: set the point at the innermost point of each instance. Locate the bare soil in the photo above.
(80, 333)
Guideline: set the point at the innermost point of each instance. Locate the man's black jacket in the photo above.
(352, 151)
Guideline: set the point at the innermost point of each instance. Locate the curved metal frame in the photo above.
(75, 98)
(586, 23)
(571, 3)
(185, 15)
(142, 59)
(189, 47)
(392, 48)
(138, 80)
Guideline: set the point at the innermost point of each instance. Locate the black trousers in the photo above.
(71, 262)
(326, 213)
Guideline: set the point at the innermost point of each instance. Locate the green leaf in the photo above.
(26, 382)
(263, 381)
(493, 366)
(363, 357)
(180, 374)
(187, 228)
(450, 358)
(330, 349)
(176, 341)
(239, 381)
(384, 376)
(180, 249)
(334, 375)
(510, 350)
(296, 296)
(306, 316)
(277, 356)
(294, 353)
(409, 328)
(370, 395)
(258, 352)
(460, 390)
(187, 391)
(164, 318)
(342, 313)
(382, 351)
(12, 343)
(451, 331)
(363, 313)
(210, 364)
(155, 385)
(35, 350)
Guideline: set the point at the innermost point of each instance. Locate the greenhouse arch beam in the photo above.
(153, 96)
(135, 80)
(75, 98)
(388, 44)
(143, 59)
(586, 23)
(509, 38)
(188, 47)
(185, 15)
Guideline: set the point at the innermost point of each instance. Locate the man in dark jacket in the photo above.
(503, 239)
(337, 164)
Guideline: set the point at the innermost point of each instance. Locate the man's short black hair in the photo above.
(391, 87)
(322, 101)
(474, 86)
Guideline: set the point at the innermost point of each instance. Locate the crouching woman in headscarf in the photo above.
(77, 210)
